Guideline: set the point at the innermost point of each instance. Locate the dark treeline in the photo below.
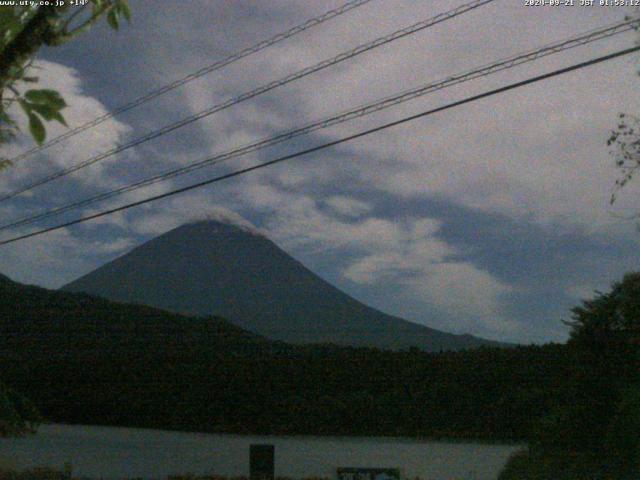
(86, 360)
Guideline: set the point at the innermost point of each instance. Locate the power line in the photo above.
(364, 133)
(510, 62)
(203, 71)
(254, 93)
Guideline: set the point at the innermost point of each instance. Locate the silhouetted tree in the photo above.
(593, 431)
(17, 414)
(624, 142)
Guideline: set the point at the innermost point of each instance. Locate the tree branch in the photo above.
(37, 31)
(87, 23)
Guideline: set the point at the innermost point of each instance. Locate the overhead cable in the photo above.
(416, 27)
(492, 68)
(192, 76)
(324, 146)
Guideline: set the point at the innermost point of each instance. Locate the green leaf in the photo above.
(4, 163)
(12, 21)
(57, 116)
(37, 129)
(26, 106)
(48, 97)
(48, 113)
(124, 9)
(112, 19)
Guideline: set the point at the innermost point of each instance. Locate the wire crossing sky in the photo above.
(492, 219)
(243, 171)
(492, 68)
(398, 34)
(312, 22)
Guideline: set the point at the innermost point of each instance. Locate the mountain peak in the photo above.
(223, 216)
(220, 266)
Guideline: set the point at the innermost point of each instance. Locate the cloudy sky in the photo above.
(491, 218)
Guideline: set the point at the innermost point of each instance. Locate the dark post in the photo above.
(262, 462)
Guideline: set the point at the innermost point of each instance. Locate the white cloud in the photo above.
(420, 263)
(471, 298)
(347, 206)
(112, 246)
(81, 109)
(376, 267)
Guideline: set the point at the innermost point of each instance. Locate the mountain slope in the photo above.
(213, 268)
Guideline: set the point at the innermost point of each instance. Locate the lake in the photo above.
(108, 452)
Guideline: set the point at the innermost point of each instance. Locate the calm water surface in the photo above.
(125, 452)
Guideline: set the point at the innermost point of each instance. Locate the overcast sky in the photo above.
(491, 218)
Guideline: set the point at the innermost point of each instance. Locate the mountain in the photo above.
(213, 268)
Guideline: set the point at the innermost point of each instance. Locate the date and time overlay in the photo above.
(527, 3)
(582, 3)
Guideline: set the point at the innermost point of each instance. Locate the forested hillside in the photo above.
(87, 360)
